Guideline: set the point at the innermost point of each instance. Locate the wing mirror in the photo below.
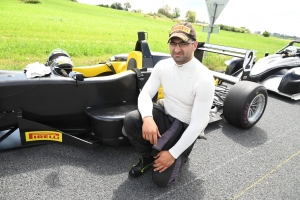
(76, 76)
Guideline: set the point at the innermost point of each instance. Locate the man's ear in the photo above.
(195, 45)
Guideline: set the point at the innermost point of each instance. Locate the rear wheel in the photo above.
(245, 104)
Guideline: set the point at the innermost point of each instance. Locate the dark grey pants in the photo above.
(171, 130)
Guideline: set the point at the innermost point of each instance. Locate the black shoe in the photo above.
(139, 168)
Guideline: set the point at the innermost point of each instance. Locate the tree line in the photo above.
(190, 16)
(234, 29)
(165, 11)
(282, 36)
(118, 6)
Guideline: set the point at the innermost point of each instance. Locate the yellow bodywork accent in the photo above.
(160, 93)
(119, 66)
(96, 70)
(218, 81)
(137, 55)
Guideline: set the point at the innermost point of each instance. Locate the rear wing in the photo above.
(247, 55)
(224, 50)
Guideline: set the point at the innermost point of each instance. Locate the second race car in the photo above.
(278, 72)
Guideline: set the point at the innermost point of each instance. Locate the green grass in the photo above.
(91, 34)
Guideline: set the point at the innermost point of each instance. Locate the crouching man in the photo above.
(164, 135)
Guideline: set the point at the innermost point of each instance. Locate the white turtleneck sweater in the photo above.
(188, 96)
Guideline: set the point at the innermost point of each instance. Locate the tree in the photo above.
(176, 13)
(244, 30)
(190, 16)
(165, 11)
(266, 34)
(127, 6)
(117, 6)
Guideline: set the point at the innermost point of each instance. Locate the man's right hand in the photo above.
(150, 130)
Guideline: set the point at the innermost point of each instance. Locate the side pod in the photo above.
(33, 133)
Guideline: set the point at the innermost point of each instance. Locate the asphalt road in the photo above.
(260, 163)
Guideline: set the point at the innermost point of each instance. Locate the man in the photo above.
(164, 136)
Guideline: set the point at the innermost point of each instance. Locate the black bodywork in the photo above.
(82, 111)
(64, 103)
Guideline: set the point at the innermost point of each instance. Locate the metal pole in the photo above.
(212, 23)
(211, 26)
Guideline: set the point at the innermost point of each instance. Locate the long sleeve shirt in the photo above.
(188, 96)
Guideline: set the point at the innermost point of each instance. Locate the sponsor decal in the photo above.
(32, 136)
(181, 28)
(245, 119)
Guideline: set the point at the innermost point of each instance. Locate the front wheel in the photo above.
(245, 104)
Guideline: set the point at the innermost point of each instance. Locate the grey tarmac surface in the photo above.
(259, 163)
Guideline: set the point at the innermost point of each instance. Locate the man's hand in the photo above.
(163, 160)
(150, 130)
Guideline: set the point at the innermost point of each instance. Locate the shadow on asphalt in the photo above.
(144, 188)
(214, 126)
(251, 138)
(288, 100)
(102, 160)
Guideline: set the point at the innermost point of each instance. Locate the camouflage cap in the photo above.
(184, 31)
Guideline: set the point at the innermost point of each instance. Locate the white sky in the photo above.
(279, 16)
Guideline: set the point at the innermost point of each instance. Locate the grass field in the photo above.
(91, 34)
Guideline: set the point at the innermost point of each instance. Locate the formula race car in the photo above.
(85, 106)
(279, 72)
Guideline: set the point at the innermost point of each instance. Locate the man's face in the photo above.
(181, 51)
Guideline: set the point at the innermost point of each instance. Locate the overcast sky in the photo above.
(279, 16)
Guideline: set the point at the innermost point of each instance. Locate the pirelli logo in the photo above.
(181, 28)
(43, 135)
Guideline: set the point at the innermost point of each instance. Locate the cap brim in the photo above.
(182, 36)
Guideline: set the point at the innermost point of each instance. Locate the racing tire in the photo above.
(245, 104)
